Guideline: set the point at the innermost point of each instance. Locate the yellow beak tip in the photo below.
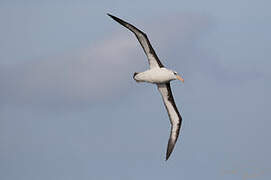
(180, 78)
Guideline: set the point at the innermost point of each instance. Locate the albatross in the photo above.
(161, 76)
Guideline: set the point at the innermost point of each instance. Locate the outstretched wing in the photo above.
(174, 115)
(144, 41)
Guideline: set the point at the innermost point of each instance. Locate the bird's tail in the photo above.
(135, 75)
(137, 78)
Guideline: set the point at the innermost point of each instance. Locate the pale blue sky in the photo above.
(70, 109)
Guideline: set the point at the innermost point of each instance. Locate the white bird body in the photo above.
(158, 74)
(155, 75)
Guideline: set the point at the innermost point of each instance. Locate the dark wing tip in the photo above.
(110, 15)
(170, 147)
(113, 17)
(117, 19)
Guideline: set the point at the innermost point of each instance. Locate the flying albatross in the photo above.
(161, 76)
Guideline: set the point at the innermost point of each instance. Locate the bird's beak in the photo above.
(180, 78)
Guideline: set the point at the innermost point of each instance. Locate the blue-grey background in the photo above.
(69, 108)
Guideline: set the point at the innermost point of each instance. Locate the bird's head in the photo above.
(176, 76)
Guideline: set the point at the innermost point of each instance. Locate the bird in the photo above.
(161, 76)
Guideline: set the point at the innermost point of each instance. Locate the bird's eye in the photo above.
(175, 73)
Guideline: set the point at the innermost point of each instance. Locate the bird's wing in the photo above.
(174, 116)
(144, 41)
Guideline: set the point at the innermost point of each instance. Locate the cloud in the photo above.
(222, 117)
(104, 69)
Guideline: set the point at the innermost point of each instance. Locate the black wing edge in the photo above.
(124, 23)
(170, 147)
(172, 142)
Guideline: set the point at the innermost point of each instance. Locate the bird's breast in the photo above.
(157, 75)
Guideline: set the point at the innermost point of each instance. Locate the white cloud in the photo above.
(103, 70)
